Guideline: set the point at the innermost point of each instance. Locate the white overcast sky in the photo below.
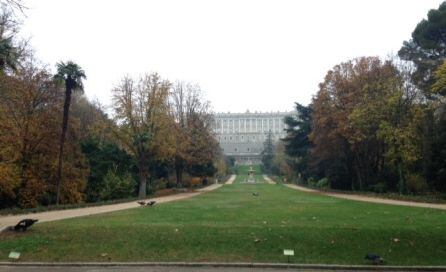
(256, 55)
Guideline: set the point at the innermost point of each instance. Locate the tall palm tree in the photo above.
(71, 74)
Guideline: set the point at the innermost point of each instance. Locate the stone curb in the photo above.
(238, 265)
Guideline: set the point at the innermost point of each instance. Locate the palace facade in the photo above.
(241, 135)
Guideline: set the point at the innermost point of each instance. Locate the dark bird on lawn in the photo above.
(151, 203)
(25, 224)
(375, 259)
(142, 203)
(255, 194)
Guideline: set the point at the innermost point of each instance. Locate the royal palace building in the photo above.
(242, 135)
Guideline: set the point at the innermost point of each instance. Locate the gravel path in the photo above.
(10, 220)
(231, 179)
(371, 199)
(268, 180)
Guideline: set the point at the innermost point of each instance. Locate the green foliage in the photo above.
(323, 183)
(312, 182)
(116, 187)
(439, 86)
(297, 143)
(10, 51)
(70, 74)
(427, 48)
(417, 184)
(202, 169)
(268, 153)
(103, 157)
(380, 187)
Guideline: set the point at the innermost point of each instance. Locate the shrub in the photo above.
(116, 186)
(416, 183)
(379, 188)
(323, 183)
(162, 184)
(312, 182)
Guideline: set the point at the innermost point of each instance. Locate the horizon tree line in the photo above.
(376, 124)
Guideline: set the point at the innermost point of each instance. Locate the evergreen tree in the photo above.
(297, 144)
(268, 153)
(427, 48)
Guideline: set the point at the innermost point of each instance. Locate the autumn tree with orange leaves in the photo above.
(29, 106)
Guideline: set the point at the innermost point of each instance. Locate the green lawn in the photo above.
(243, 169)
(232, 225)
(242, 173)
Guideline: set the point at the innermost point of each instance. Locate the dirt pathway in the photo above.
(268, 180)
(231, 179)
(10, 220)
(370, 199)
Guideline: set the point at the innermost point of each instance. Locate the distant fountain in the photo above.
(251, 177)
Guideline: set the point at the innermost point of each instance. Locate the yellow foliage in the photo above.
(9, 182)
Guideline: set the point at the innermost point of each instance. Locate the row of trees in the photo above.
(58, 147)
(165, 125)
(377, 124)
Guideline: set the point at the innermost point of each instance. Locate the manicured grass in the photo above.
(232, 225)
(243, 169)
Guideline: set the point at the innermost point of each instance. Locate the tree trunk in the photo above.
(66, 112)
(401, 183)
(179, 174)
(143, 173)
(179, 171)
(358, 175)
(357, 167)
